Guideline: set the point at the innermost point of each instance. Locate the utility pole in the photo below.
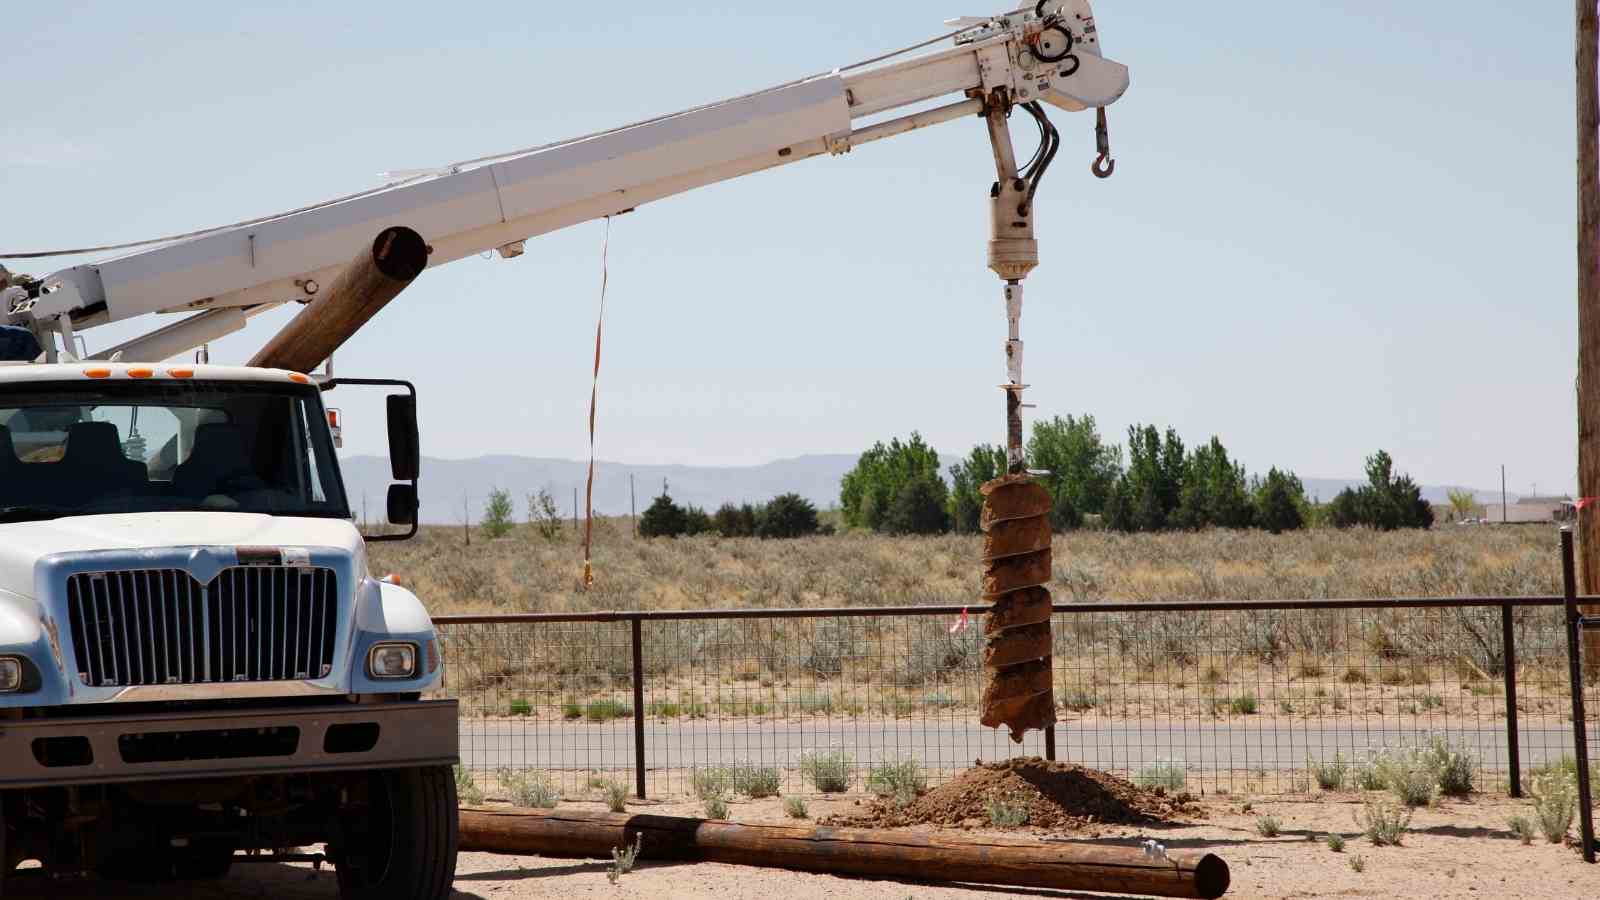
(574, 510)
(466, 520)
(1502, 493)
(1588, 96)
(633, 507)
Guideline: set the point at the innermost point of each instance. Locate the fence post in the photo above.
(1508, 641)
(1050, 743)
(638, 707)
(1580, 737)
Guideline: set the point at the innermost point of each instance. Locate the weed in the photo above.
(1006, 811)
(1163, 773)
(830, 772)
(605, 710)
(795, 808)
(1353, 675)
(1555, 800)
(1383, 822)
(1330, 776)
(570, 709)
(1243, 705)
(1408, 774)
(1452, 769)
(616, 796)
(467, 790)
(1358, 864)
(754, 781)
(1522, 829)
(717, 807)
(1080, 700)
(713, 782)
(623, 858)
(1286, 707)
(529, 789)
(1431, 701)
(1335, 842)
(666, 710)
(901, 779)
(520, 707)
(814, 703)
(940, 701)
(1269, 826)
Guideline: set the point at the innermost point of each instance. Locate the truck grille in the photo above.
(161, 626)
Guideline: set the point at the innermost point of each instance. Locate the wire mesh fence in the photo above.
(1215, 697)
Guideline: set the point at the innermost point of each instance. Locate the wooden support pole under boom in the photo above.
(377, 275)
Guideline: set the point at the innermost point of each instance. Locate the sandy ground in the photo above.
(1459, 849)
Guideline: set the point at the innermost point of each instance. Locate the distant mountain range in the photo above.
(445, 482)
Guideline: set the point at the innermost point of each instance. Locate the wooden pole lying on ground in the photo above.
(881, 854)
(376, 276)
(1588, 97)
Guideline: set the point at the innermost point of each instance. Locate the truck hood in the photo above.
(23, 544)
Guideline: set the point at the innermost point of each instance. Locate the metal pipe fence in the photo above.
(1236, 697)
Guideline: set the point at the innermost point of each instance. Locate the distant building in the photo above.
(1529, 509)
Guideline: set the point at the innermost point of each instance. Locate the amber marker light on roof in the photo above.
(97, 373)
(141, 373)
(180, 373)
(297, 378)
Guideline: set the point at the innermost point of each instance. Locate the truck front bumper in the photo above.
(226, 743)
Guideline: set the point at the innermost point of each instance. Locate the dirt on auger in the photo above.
(1016, 568)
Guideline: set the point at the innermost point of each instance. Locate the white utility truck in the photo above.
(195, 659)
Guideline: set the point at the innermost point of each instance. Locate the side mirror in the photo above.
(405, 460)
(403, 504)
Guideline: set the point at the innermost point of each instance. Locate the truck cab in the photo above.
(195, 658)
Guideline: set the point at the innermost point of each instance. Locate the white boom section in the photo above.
(503, 203)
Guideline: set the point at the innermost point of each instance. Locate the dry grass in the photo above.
(525, 573)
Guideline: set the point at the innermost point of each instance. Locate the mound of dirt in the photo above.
(1056, 796)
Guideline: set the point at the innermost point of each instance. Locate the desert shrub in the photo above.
(1330, 775)
(713, 782)
(529, 789)
(544, 515)
(795, 808)
(899, 778)
(829, 645)
(1269, 826)
(1243, 705)
(1006, 811)
(467, 790)
(606, 709)
(717, 807)
(937, 654)
(1163, 773)
(1452, 769)
(520, 707)
(623, 859)
(1335, 842)
(1408, 774)
(497, 514)
(616, 795)
(829, 771)
(1383, 822)
(1555, 801)
(1522, 829)
(754, 781)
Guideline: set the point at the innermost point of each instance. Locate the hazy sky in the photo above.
(1332, 227)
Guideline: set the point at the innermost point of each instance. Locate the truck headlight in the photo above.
(392, 661)
(10, 674)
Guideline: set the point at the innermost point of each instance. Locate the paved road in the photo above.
(944, 743)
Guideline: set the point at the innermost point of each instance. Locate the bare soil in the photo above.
(1057, 796)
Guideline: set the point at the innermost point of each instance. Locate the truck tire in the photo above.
(404, 848)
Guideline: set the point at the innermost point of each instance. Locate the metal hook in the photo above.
(1103, 165)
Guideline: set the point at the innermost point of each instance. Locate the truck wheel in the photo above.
(404, 847)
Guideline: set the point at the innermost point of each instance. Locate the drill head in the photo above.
(1016, 568)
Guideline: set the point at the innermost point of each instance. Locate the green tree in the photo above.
(868, 490)
(497, 514)
(1280, 502)
(1214, 491)
(1082, 467)
(787, 516)
(696, 521)
(1385, 502)
(735, 521)
(918, 508)
(1153, 483)
(1462, 503)
(1064, 515)
(663, 519)
(985, 463)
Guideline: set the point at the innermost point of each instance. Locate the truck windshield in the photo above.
(165, 445)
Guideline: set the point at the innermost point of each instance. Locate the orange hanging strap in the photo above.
(594, 390)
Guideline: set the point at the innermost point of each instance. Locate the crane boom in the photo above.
(225, 276)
